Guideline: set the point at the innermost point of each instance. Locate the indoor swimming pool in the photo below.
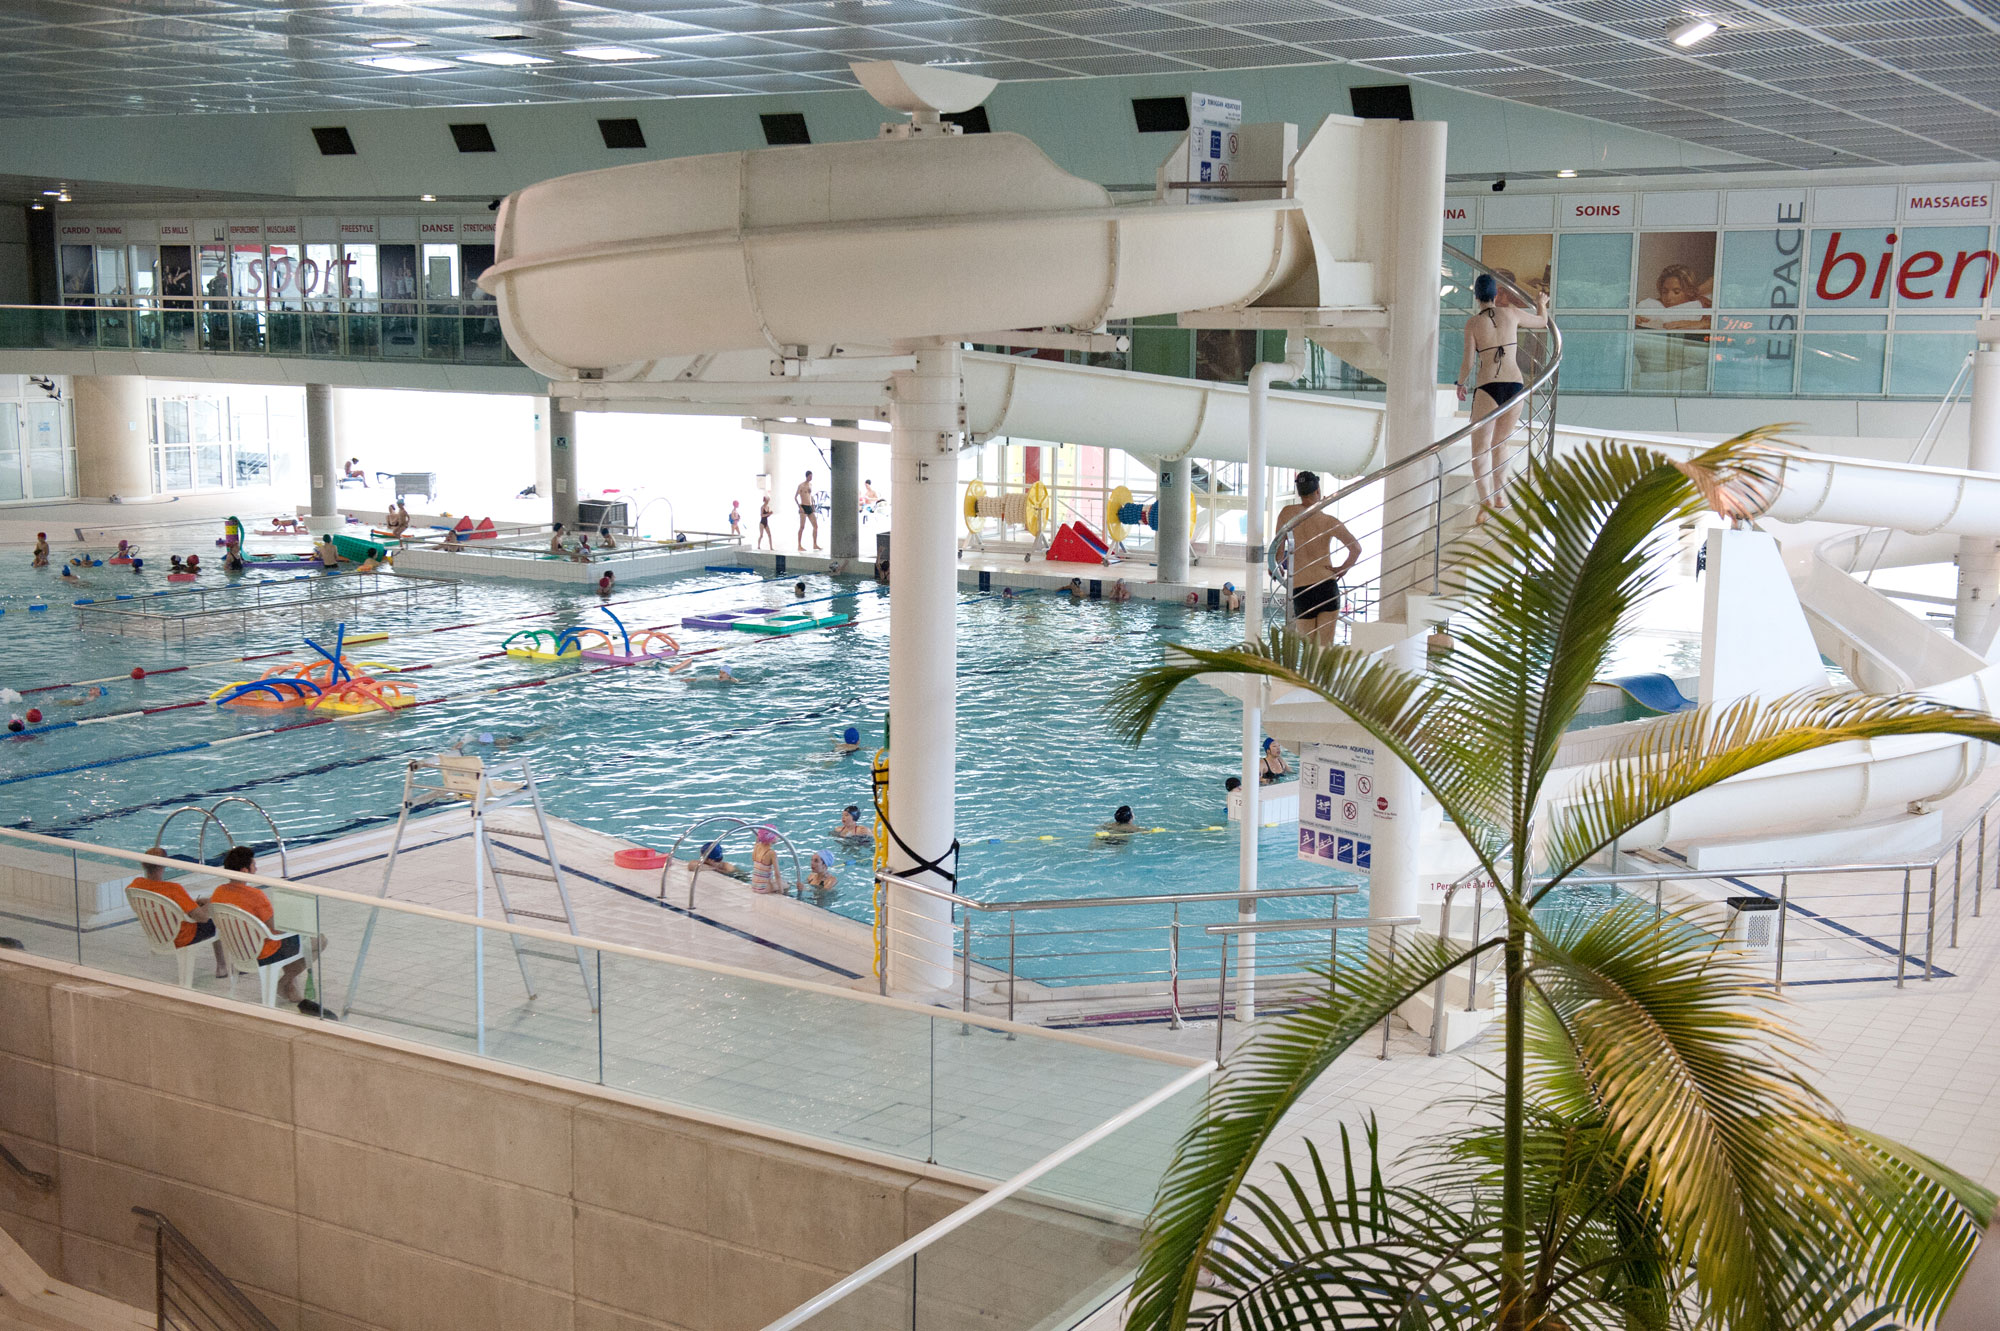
(640, 752)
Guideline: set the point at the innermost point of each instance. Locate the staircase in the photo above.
(1405, 514)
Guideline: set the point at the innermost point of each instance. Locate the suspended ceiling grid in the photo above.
(1840, 82)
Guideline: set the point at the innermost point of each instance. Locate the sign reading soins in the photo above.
(1215, 140)
(1338, 806)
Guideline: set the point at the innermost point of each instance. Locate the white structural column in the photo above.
(844, 495)
(1410, 426)
(1175, 524)
(925, 418)
(1979, 556)
(108, 412)
(322, 467)
(562, 464)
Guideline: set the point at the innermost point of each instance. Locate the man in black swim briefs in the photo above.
(1315, 575)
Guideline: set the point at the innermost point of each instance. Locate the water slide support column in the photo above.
(108, 413)
(1979, 556)
(322, 467)
(844, 494)
(926, 419)
(1410, 427)
(1175, 538)
(562, 464)
(1262, 377)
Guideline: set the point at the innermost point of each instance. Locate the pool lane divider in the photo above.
(418, 633)
(311, 722)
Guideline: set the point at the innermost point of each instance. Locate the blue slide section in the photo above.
(1655, 692)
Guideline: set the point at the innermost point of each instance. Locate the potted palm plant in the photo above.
(1651, 1157)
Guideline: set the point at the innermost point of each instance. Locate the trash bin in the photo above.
(1753, 922)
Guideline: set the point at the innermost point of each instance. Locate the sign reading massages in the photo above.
(1339, 806)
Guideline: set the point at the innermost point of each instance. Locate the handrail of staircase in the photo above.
(34, 1178)
(190, 1291)
(1544, 380)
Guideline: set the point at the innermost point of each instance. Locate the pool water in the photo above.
(641, 753)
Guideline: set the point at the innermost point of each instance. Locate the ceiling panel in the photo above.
(1784, 82)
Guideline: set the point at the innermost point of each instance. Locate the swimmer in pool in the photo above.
(821, 874)
(556, 540)
(1274, 766)
(764, 862)
(1120, 592)
(178, 565)
(1231, 598)
(41, 559)
(194, 564)
(723, 676)
(711, 859)
(1120, 827)
(799, 590)
(850, 828)
(604, 583)
(1075, 589)
(232, 557)
(849, 741)
(372, 564)
(88, 696)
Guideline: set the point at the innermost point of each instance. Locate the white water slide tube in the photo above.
(1883, 647)
(647, 282)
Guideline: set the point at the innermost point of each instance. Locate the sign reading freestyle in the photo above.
(1215, 138)
(1338, 806)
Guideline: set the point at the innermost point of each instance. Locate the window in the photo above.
(473, 138)
(333, 141)
(1595, 271)
(1160, 115)
(785, 127)
(622, 133)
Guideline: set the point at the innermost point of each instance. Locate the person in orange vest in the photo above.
(243, 896)
(197, 925)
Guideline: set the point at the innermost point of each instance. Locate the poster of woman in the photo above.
(1676, 293)
(1526, 260)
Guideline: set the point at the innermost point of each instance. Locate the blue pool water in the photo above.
(640, 752)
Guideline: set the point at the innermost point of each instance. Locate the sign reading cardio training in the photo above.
(1339, 806)
(1215, 140)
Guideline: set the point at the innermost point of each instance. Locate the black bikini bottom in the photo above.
(1502, 393)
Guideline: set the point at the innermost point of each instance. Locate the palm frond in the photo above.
(1405, 711)
(1759, 1189)
(1262, 1080)
(1349, 1252)
(1686, 753)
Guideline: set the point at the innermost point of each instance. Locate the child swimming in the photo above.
(41, 559)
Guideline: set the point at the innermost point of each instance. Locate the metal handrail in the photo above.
(735, 822)
(1275, 551)
(1334, 924)
(201, 842)
(34, 1178)
(186, 1283)
(1085, 903)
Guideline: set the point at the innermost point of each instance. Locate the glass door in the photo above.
(13, 484)
(48, 452)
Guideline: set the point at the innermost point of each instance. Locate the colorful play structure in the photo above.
(1076, 543)
(578, 643)
(649, 645)
(764, 620)
(329, 684)
(234, 534)
(1028, 509)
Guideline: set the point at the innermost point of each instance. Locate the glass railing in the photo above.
(975, 1094)
(449, 332)
(1045, 1250)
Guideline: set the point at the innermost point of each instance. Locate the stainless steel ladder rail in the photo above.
(735, 822)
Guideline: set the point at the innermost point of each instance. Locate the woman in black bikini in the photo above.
(1490, 337)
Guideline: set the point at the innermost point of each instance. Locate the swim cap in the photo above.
(851, 735)
(1268, 742)
(822, 858)
(712, 851)
(766, 835)
(1485, 287)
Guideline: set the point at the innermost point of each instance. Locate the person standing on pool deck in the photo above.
(1315, 577)
(736, 518)
(1491, 337)
(807, 512)
(764, 511)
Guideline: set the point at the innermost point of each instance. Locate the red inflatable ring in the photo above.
(638, 858)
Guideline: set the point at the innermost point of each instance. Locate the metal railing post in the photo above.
(1437, 990)
(1957, 877)
(1979, 867)
(1221, 996)
(1010, 965)
(881, 943)
(965, 964)
(1903, 937)
(1472, 966)
(1174, 970)
(1930, 923)
(1784, 909)
(1387, 1015)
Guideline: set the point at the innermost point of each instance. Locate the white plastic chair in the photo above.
(243, 938)
(161, 920)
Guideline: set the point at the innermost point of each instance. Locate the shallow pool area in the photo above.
(641, 752)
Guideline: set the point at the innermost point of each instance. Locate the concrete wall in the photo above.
(351, 1184)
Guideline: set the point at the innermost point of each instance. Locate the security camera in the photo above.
(493, 207)
(1500, 185)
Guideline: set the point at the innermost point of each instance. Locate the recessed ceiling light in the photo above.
(1565, 174)
(394, 43)
(505, 58)
(50, 193)
(62, 198)
(404, 64)
(1690, 33)
(427, 198)
(506, 36)
(610, 53)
